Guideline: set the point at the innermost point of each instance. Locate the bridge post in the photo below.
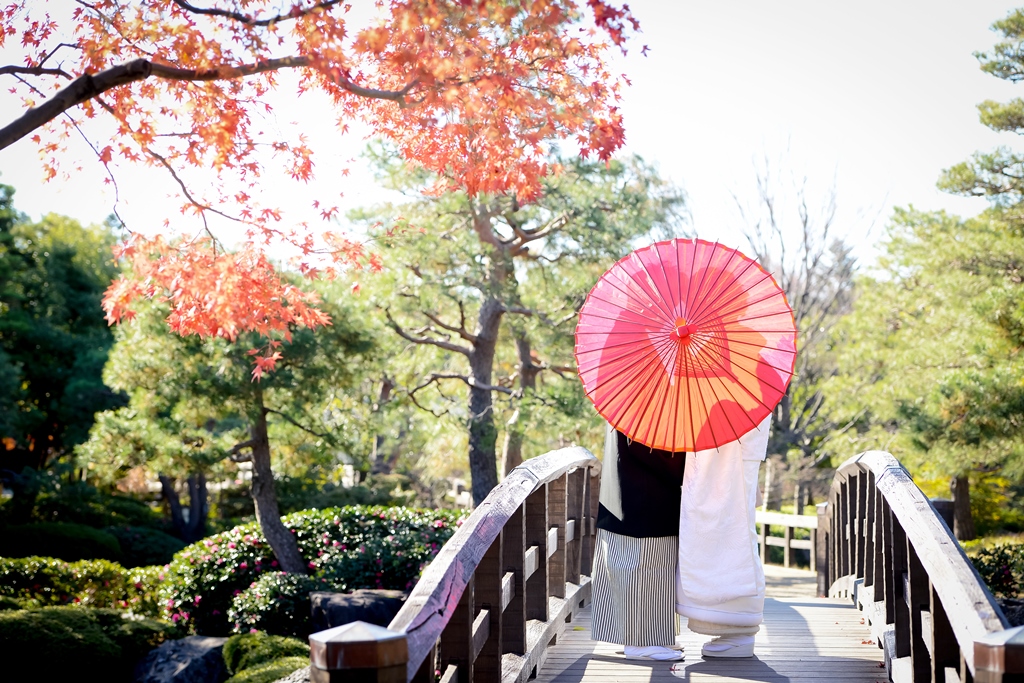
(999, 656)
(820, 551)
(358, 653)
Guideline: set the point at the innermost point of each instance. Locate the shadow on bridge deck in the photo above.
(803, 639)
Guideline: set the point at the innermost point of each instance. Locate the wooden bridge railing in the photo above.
(882, 544)
(495, 597)
(787, 542)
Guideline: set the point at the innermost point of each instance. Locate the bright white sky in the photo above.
(878, 95)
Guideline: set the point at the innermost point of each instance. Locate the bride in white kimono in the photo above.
(719, 577)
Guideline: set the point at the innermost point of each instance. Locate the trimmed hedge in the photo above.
(247, 650)
(82, 640)
(351, 547)
(270, 671)
(277, 603)
(68, 542)
(144, 547)
(45, 581)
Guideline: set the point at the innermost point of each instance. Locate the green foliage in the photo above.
(929, 360)
(89, 640)
(1001, 568)
(143, 546)
(270, 671)
(53, 539)
(49, 496)
(53, 337)
(316, 490)
(277, 603)
(247, 650)
(43, 581)
(206, 576)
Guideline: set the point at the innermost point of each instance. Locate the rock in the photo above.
(1013, 608)
(195, 659)
(297, 676)
(377, 607)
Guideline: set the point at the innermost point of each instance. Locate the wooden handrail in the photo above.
(501, 589)
(888, 550)
(787, 542)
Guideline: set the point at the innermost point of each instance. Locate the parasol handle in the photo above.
(685, 331)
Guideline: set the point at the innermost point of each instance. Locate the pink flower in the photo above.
(236, 592)
(244, 565)
(312, 565)
(273, 563)
(252, 630)
(174, 618)
(170, 603)
(197, 599)
(231, 545)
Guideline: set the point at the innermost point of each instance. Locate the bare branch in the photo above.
(291, 420)
(460, 330)
(440, 343)
(235, 454)
(468, 381)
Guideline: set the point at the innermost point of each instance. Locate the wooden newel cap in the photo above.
(1002, 651)
(358, 645)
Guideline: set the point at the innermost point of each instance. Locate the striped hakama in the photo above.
(634, 584)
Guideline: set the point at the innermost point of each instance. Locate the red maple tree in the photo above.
(472, 91)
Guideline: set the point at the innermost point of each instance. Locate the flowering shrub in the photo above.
(352, 547)
(44, 581)
(277, 603)
(1001, 568)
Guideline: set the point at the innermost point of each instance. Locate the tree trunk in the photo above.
(512, 455)
(963, 523)
(170, 496)
(381, 463)
(198, 508)
(264, 496)
(483, 435)
(769, 465)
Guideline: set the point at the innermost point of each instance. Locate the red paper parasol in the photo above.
(685, 345)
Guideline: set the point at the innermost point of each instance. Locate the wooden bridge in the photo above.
(507, 600)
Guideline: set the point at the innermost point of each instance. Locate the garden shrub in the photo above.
(68, 542)
(277, 603)
(378, 548)
(92, 583)
(35, 643)
(1001, 568)
(247, 650)
(143, 546)
(270, 671)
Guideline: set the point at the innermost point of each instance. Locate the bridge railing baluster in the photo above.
(887, 548)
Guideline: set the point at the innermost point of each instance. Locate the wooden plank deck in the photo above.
(803, 639)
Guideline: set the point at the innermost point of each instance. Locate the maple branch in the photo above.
(91, 86)
(440, 343)
(289, 418)
(33, 71)
(250, 21)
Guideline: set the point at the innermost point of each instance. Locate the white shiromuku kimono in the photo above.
(719, 578)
